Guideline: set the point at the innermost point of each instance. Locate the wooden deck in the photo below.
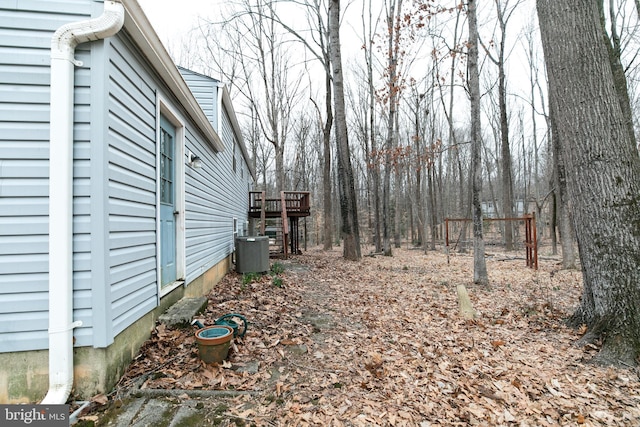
(296, 204)
(286, 209)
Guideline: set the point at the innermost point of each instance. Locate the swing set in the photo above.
(530, 234)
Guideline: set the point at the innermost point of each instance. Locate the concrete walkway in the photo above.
(171, 408)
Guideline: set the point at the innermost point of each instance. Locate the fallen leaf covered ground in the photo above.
(380, 342)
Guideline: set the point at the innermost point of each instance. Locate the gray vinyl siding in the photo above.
(25, 38)
(131, 188)
(82, 198)
(215, 195)
(205, 91)
(204, 221)
(114, 188)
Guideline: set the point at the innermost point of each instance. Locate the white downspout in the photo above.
(61, 324)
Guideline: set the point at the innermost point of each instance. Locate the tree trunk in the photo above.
(432, 180)
(410, 203)
(377, 217)
(565, 228)
(505, 150)
(553, 220)
(614, 48)
(492, 193)
(465, 208)
(346, 184)
(327, 242)
(391, 141)
(432, 207)
(386, 204)
(603, 174)
(479, 264)
(375, 159)
(397, 197)
(419, 142)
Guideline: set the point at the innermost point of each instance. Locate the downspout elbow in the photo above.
(69, 36)
(61, 325)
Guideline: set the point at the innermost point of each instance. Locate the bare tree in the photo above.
(503, 13)
(433, 161)
(419, 112)
(300, 169)
(261, 71)
(390, 98)
(454, 161)
(346, 184)
(479, 264)
(262, 154)
(326, 130)
(317, 45)
(372, 150)
(358, 104)
(559, 202)
(603, 174)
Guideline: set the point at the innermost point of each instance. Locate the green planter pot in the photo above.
(213, 343)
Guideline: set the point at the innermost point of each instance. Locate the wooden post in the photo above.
(531, 240)
(465, 307)
(285, 224)
(263, 212)
(535, 240)
(446, 238)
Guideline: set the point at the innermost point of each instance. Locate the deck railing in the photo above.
(295, 202)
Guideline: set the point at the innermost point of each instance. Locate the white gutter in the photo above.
(61, 324)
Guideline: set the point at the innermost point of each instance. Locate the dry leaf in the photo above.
(100, 399)
(507, 416)
(385, 349)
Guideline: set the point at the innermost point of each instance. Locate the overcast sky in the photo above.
(171, 18)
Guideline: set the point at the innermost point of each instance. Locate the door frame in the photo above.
(163, 108)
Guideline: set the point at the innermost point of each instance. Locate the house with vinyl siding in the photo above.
(123, 181)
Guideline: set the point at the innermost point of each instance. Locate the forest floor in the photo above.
(380, 342)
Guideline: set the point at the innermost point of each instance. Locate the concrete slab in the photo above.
(155, 412)
(249, 367)
(181, 313)
(129, 412)
(185, 411)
